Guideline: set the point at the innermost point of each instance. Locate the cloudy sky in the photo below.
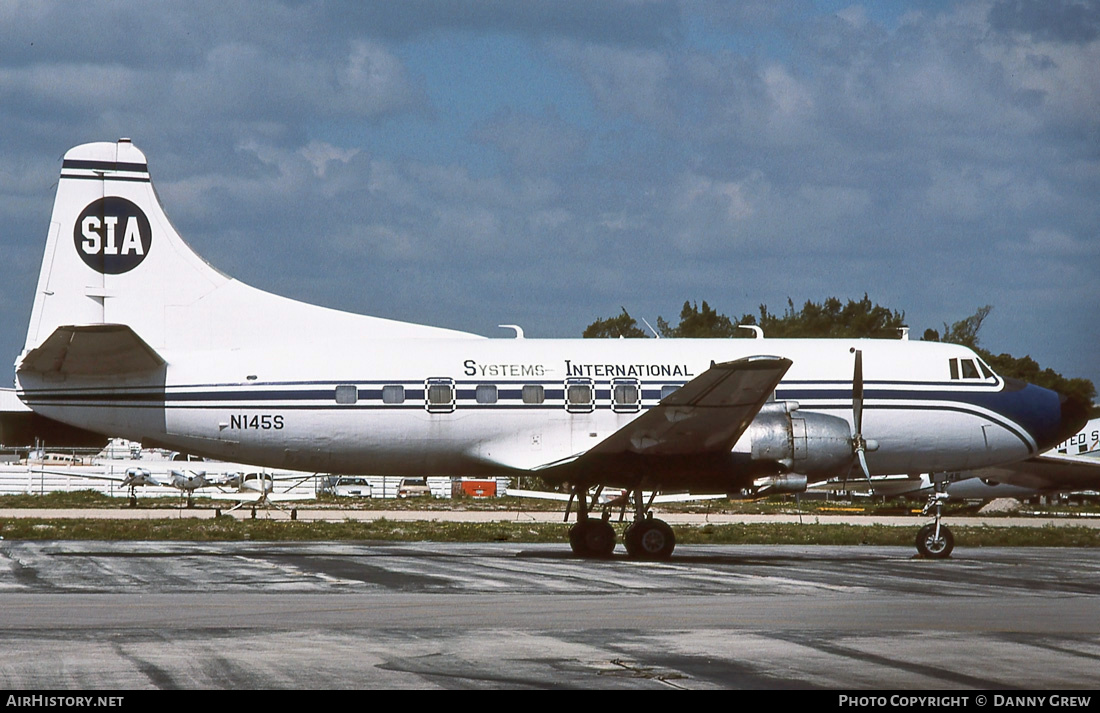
(467, 164)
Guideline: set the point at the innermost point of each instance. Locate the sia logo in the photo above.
(112, 235)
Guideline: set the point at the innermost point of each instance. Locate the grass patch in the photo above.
(225, 529)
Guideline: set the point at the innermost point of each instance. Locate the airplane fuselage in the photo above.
(502, 406)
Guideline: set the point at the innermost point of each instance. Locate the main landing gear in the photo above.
(647, 538)
(935, 541)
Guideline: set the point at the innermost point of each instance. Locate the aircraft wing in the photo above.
(538, 494)
(115, 477)
(885, 485)
(707, 415)
(243, 496)
(1048, 472)
(247, 496)
(564, 497)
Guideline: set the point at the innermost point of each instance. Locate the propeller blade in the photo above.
(857, 393)
(863, 465)
(859, 446)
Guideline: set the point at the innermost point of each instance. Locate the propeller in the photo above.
(860, 445)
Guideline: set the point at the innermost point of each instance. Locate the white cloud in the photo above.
(320, 154)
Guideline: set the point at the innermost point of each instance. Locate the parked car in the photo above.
(352, 488)
(413, 488)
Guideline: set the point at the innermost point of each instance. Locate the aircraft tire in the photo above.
(649, 540)
(577, 541)
(929, 546)
(594, 538)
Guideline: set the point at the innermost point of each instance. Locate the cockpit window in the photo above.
(969, 369)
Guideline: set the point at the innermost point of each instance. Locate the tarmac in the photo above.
(449, 515)
(88, 615)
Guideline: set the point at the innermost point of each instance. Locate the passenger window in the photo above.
(626, 396)
(440, 394)
(346, 394)
(533, 394)
(393, 394)
(669, 390)
(486, 394)
(579, 395)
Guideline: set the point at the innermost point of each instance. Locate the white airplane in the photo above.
(134, 334)
(133, 478)
(188, 481)
(258, 490)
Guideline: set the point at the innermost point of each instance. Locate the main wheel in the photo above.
(649, 540)
(593, 538)
(928, 545)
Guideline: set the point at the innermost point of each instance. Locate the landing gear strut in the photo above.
(935, 541)
(647, 538)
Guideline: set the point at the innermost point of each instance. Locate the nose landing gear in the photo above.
(934, 540)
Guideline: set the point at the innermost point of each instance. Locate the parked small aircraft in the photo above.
(134, 334)
(185, 481)
(258, 490)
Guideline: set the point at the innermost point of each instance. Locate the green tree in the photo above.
(831, 319)
(964, 332)
(698, 323)
(614, 327)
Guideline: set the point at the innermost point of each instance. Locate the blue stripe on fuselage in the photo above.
(1032, 408)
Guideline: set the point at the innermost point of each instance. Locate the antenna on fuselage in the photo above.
(757, 330)
(655, 334)
(519, 329)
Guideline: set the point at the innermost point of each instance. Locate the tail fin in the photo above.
(112, 257)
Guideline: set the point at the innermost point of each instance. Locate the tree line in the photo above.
(833, 319)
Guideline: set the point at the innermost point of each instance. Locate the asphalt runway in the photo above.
(162, 615)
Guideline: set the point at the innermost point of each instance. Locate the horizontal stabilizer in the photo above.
(91, 350)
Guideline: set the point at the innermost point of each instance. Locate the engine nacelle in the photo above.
(812, 444)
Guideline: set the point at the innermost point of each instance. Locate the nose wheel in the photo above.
(934, 540)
